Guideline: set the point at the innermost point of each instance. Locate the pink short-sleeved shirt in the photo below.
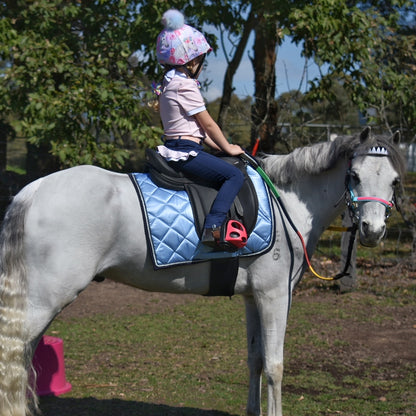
(180, 100)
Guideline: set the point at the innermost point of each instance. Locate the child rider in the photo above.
(181, 50)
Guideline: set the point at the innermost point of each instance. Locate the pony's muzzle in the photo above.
(372, 225)
(370, 237)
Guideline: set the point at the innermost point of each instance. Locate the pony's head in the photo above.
(376, 169)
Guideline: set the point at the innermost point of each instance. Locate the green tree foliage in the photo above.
(68, 82)
(370, 48)
(366, 47)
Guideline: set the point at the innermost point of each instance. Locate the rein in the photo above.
(352, 203)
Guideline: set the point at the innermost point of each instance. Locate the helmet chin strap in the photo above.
(195, 74)
(198, 70)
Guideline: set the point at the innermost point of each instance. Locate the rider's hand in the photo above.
(234, 150)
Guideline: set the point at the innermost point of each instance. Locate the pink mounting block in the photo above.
(48, 362)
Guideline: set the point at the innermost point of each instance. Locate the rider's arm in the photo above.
(209, 142)
(215, 134)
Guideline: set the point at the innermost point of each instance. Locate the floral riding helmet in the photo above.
(179, 43)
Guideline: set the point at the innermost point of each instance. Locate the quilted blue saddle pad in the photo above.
(171, 232)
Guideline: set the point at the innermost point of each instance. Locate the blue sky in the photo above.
(289, 71)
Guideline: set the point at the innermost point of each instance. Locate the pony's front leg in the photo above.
(255, 357)
(273, 310)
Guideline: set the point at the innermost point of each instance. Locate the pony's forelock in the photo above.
(393, 151)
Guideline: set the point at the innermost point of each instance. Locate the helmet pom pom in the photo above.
(173, 19)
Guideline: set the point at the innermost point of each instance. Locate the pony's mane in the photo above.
(319, 157)
(308, 160)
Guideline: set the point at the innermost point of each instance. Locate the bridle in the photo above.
(353, 201)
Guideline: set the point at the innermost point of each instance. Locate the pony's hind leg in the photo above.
(255, 358)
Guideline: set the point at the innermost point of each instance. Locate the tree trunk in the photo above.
(39, 161)
(264, 109)
(232, 67)
(6, 132)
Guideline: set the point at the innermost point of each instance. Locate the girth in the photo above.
(202, 194)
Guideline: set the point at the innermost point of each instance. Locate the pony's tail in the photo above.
(15, 357)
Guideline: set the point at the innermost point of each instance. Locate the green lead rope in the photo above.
(255, 165)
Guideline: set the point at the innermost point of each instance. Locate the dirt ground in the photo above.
(391, 340)
(122, 300)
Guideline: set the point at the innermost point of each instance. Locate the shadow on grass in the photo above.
(53, 406)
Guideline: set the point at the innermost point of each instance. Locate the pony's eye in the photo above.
(396, 182)
(355, 179)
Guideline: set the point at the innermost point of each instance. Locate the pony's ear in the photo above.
(365, 134)
(396, 137)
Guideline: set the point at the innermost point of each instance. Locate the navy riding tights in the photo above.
(214, 170)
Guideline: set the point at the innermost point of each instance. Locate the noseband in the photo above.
(353, 201)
